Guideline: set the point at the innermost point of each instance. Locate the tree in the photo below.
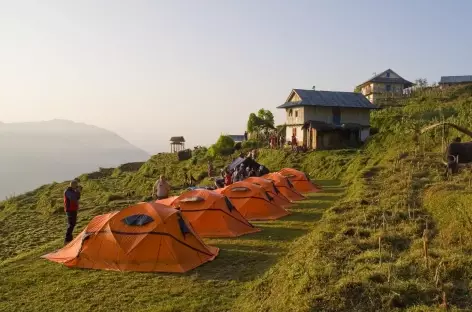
(259, 125)
(267, 116)
(421, 82)
(252, 123)
(224, 146)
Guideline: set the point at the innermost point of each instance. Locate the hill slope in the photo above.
(35, 153)
(358, 246)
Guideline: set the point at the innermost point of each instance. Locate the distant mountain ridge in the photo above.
(35, 153)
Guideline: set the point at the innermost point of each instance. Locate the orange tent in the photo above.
(252, 201)
(299, 180)
(147, 237)
(284, 186)
(167, 201)
(270, 188)
(212, 214)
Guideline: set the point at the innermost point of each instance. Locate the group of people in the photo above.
(237, 174)
(276, 142)
(279, 142)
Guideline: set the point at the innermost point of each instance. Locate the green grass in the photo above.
(323, 257)
(30, 283)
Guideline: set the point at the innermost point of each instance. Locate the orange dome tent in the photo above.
(270, 188)
(253, 202)
(147, 237)
(299, 180)
(212, 215)
(284, 186)
(167, 201)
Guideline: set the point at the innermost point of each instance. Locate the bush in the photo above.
(223, 147)
(251, 144)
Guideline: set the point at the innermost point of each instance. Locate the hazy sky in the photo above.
(149, 70)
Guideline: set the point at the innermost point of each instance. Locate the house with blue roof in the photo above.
(384, 86)
(327, 119)
(448, 81)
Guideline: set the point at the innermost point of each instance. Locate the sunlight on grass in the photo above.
(27, 279)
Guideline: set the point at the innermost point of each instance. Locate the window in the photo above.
(137, 220)
(290, 112)
(388, 88)
(388, 75)
(296, 113)
(294, 131)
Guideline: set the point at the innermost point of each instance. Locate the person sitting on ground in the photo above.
(248, 170)
(242, 172)
(234, 176)
(252, 172)
(71, 206)
(260, 171)
(219, 183)
(161, 188)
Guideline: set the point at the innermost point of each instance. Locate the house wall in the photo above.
(297, 116)
(367, 89)
(294, 97)
(348, 115)
(392, 75)
(289, 132)
(382, 87)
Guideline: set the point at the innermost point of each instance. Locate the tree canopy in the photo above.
(262, 122)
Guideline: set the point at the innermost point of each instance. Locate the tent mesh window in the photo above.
(229, 204)
(183, 226)
(137, 220)
(194, 199)
(239, 189)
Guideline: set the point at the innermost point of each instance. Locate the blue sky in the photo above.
(149, 70)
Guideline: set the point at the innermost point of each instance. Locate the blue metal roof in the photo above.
(455, 79)
(237, 137)
(330, 99)
(379, 78)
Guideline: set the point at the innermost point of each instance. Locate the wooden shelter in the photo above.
(177, 144)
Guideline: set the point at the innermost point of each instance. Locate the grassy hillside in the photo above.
(358, 246)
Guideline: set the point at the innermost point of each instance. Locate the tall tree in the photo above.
(259, 125)
(267, 116)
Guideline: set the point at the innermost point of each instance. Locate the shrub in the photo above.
(223, 147)
(251, 144)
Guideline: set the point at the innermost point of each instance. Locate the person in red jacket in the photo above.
(228, 178)
(71, 206)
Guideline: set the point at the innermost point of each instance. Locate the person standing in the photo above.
(210, 169)
(71, 206)
(294, 143)
(228, 179)
(161, 188)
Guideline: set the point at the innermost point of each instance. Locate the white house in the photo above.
(327, 119)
